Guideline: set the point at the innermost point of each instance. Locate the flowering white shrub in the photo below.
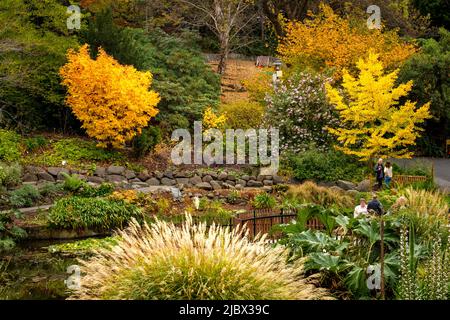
(300, 110)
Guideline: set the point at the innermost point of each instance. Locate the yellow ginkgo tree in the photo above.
(112, 101)
(373, 123)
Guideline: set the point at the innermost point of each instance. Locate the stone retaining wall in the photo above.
(123, 176)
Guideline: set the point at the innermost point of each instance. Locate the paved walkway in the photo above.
(441, 169)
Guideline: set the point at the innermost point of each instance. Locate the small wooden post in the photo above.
(254, 223)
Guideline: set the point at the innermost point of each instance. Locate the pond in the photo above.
(30, 271)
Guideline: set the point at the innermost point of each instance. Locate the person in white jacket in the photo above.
(361, 208)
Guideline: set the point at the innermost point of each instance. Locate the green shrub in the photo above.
(195, 262)
(34, 143)
(72, 183)
(90, 192)
(9, 232)
(32, 96)
(146, 141)
(264, 200)
(328, 165)
(172, 122)
(74, 151)
(9, 174)
(51, 189)
(93, 213)
(9, 145)
(24, 196)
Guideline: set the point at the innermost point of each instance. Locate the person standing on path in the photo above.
(379, 172)
(388, 174)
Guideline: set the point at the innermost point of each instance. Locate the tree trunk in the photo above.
(224, 51)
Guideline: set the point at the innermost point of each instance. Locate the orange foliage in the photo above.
(327, 40)
(112, 101)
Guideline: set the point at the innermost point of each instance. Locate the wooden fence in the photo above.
(262, 221)
(402, 180)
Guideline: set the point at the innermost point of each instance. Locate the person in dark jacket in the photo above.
(375, 206)
(379, 173)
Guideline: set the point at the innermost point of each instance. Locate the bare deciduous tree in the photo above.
(226, 19)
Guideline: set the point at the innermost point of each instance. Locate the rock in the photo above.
(352, 193)
(143, 176)
(153, 182)
(215, 185)
(267, 188)
(134, 180)
(138, 185)
(230, 182)
(45, 176)
(245, 177)
(29, 177)
(260, 178)
(326, 184)
(277, 179)
(227, 186)
(207, 178)
(195, 180)
(159, 175)
(168, 174)
(210, 195)
(100, 172)
(60, 176)
(268, 182)
(129, 174)
(180, 174)
(204, 186)
(158, 189)
(168, 182)
(239, 186)
(116, 178)
(346, 185)
(242, 182)
(183, 181)
(337, 189)
(33, 169)
(364, 186)
(115, 170)
(213, 174)
(231, 177)
(95, 179)
(254, 184)
(222, 176)
(54, 170)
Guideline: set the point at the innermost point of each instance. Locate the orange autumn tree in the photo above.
(112, 101)
(328, 40)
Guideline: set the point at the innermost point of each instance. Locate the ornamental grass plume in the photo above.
(427, 203)
(312, 193)
(192, 261)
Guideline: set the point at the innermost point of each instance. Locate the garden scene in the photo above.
(224, 150)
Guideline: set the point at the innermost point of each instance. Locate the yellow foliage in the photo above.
(243, 114)
(112, 101)
(373, 123)
(213, 121)
(129, 196)
(259, 85)
(327, 40)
